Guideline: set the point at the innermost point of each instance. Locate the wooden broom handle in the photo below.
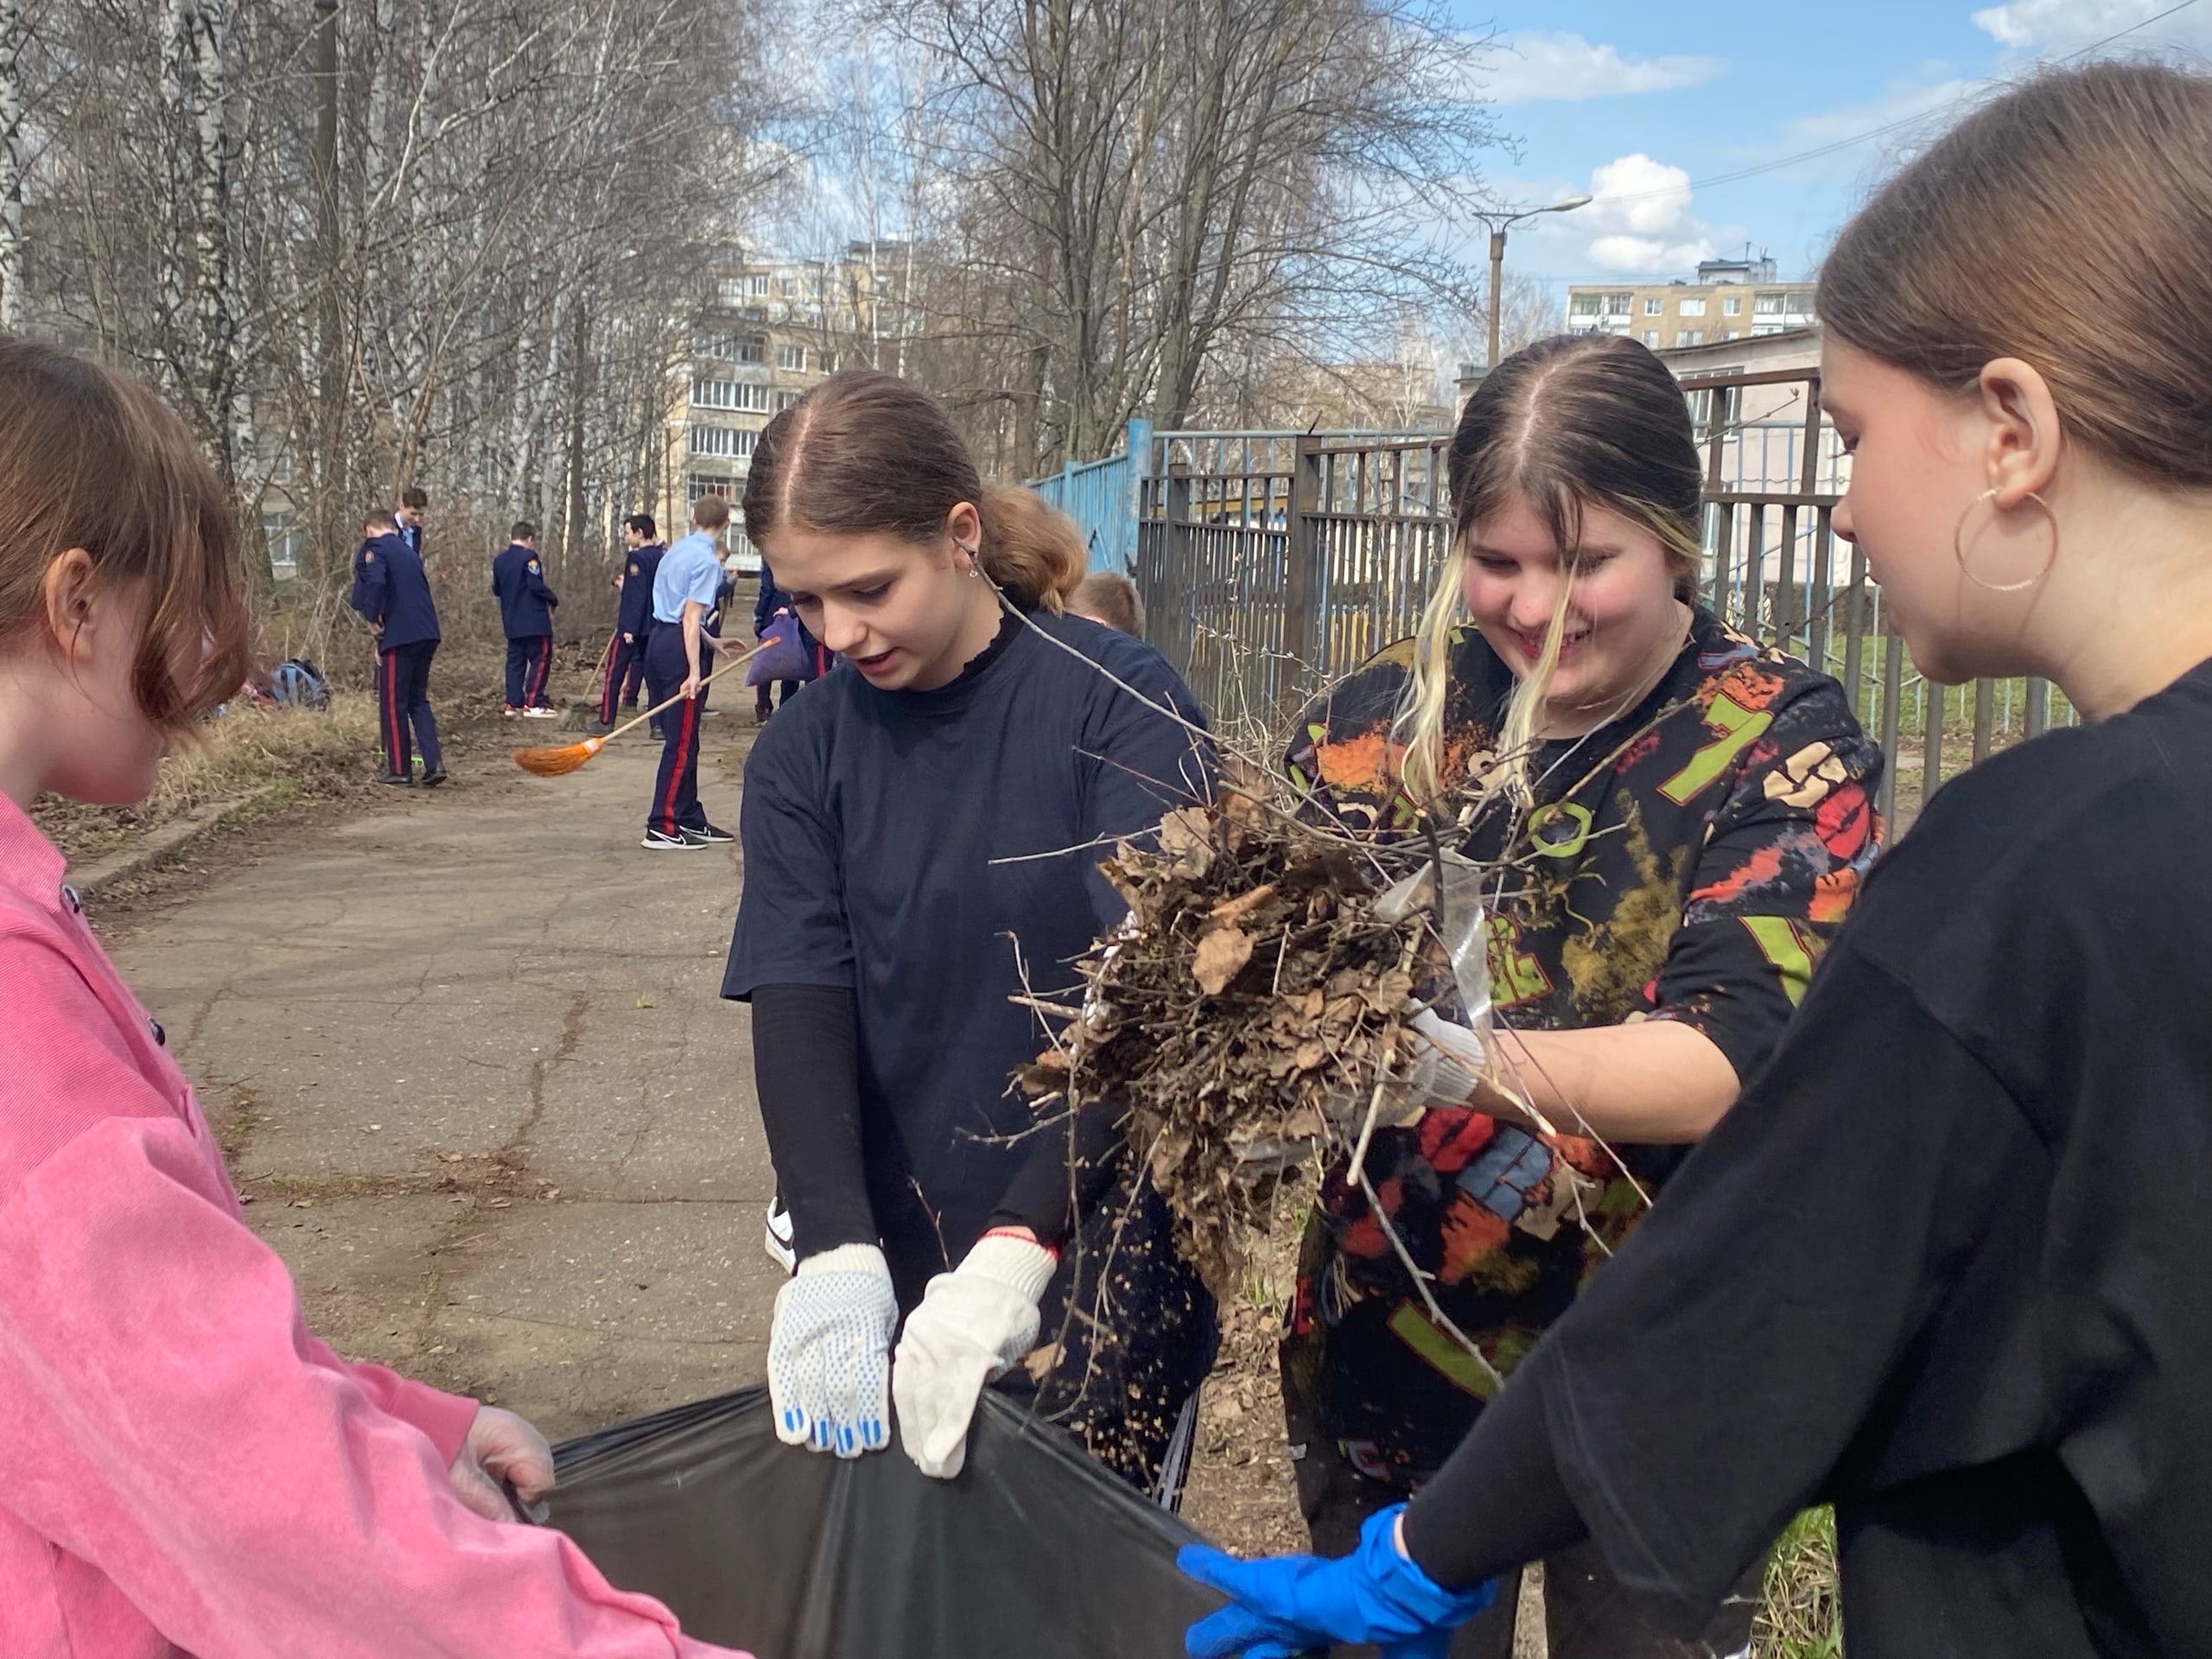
(636, 720)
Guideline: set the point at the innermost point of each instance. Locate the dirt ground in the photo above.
(466, 1050)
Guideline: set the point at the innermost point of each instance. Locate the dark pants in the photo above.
(530, 663)
(675, 791)
(784, 689)
(625, 671)
(404, 699)
(1587, 1615)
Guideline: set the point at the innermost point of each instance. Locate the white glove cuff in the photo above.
(1022, 1266)
(847, 1258)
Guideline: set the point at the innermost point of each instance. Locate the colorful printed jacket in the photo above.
(1696, 855)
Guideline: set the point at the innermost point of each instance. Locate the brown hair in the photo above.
(379, 519)
(414, 497)
(1574, 421)
(522, 530)
(2065, 224)
(864, 452)
(1109, 596)
(710, 511)
(89, 460)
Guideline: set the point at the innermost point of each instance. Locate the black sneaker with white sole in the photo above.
(708, 835)
(659, 842)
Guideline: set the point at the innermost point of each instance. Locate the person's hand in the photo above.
(691, 682)
(501, 1447)
(973, 1324)
(830, 1352)
(629, 638)
(1283, 1605)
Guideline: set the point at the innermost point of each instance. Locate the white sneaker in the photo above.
(541, 714)
(778, 1240)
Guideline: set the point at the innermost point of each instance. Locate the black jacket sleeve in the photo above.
(1072, 1159)
(806, 1069)
(1498, 1502)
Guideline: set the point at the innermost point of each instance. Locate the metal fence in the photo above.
(1271, 564)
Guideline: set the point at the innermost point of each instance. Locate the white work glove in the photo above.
(973, 1325)
(830, 1352)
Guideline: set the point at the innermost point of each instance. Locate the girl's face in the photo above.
(1622, 623)
(1918, 465)
(906, 614)
(81, 732)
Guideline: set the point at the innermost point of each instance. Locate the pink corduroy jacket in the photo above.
(184, 1468)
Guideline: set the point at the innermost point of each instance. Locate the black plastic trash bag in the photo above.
(1035, 1552)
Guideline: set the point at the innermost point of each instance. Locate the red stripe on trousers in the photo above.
(683, 733)
(391, 712)
(541, 665)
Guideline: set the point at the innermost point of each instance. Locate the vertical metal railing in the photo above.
(1274, 562)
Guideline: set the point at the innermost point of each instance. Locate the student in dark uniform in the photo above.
(393, 596)
(873, 941)
(414, 501)
(634, 620)
(1943, 1264)
(527, 614)
(773, 602)
(1704, 809)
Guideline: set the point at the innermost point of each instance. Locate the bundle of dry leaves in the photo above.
(1251, 1013)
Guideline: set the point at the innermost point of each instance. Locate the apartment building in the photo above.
(1731, 299)
(766, 331)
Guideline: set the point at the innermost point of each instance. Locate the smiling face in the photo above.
(906, 614)
(1623, 624)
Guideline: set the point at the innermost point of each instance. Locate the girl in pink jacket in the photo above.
(184, 1468)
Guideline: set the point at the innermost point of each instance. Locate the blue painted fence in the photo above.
(1101, 496)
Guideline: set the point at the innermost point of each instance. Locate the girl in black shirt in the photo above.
(919, 833)
(1984, 1330)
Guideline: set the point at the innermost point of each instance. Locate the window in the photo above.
(728, 348)
(1692, 307)
(698, 484)
(1690, 337)
(729, 394)
(1652, 306)
(825, 362)
(1758, 328)
(1617, 304)
(1586, 305)
(735, 290)
(724, 441)
(792, 357)
(280, 470)
(1733, 334)
(1769, 305)
(286, 542)
(1651, 338)
(786, 399)
(1732, 306)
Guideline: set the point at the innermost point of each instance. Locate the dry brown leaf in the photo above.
(1221, 955)
(1236, 909)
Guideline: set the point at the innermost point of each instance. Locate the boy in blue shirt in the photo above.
(685, 590)
(393, 597)
(526, 613)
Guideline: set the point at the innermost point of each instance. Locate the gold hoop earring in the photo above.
(1958, 546)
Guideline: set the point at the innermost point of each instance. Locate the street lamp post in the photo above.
(1498, 222)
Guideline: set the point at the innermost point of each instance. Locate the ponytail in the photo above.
(864, 451)
(1031, 551)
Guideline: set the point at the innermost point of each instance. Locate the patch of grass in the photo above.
(1801, 1616)
(249, 748)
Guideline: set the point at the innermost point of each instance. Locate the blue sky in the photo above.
(1649, 107)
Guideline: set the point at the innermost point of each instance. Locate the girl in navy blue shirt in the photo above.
(921, 834)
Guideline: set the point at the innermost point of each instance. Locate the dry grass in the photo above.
(246, 750)
(1802, 1617)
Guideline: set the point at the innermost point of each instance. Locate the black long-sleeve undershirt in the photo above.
(1498, 1501)
(806, 1070)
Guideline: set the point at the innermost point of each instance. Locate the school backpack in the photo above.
(298, 681)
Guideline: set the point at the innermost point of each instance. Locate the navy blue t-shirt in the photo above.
(871, 820)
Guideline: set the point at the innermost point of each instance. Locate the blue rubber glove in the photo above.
(1284, 1605)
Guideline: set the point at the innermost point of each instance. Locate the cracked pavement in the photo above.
(468, 1058)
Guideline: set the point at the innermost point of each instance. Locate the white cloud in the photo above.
(1904, 101)
(1538, 65)
(2042, 25)
(1640, 222)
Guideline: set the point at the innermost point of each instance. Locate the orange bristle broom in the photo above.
(558, 763)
